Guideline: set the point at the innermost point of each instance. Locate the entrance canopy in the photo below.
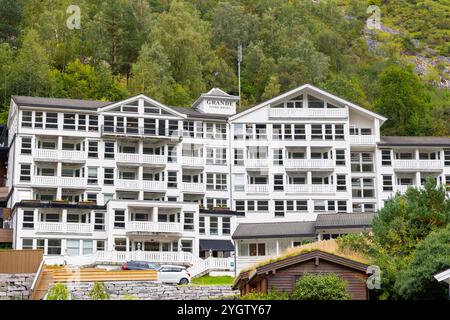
(216, 245)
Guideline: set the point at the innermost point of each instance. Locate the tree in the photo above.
(272, 89)
(10, 19)
(99, 292)
(404, 102)
(431, 257)
(58, 292)
(320, 287)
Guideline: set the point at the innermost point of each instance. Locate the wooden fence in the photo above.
(20, 261)
(6, 235)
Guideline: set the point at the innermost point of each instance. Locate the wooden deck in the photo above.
(51, 275)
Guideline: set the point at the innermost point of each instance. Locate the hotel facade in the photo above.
(104, 182)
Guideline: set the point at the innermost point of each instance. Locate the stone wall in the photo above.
(148, 290)
(15, 286)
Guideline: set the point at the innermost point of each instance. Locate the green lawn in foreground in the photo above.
(208, 280)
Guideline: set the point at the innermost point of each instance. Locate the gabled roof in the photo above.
(399, 141)
(59, 103)
(214, 93)
(344, 220)
(274, 230)
(314, 89)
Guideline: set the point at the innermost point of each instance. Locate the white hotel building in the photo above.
(136, 179)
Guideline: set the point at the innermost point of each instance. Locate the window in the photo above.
(51, 120)
(81, 122)
(27, 244)
(447, 157)
(109, 149)
(387, 183)
(189, 221)
(226, 226)
(319, 205)
(363, 207)
(363, 188)
(342, 206)
(119, 219)
(239, 182)
(278, 182)
(69, 121)
(99, 223)
(25, 172)
(73, 247)
(278, 157)
(54, 246)
(314, 102)
(108, 176)
(27, 119)
(260, 132)
(92, 175)
(88, 246)
(172, 179)
(238, 132)
(362, 161)
(216, 181)
(26, 145)
(216, 156)
(120, 244)
(28, 219)
(341, 182)
(316, 132)
(93, 149)
(340, 157)
(201, 225)
(299, 132)
(257, 249)
(238, 157)
(287, 132)
(213, 225)
(339, 132)
(188, 129)
(263, 205)
(171, 154)
(385, 157)
(302, 205)
(279, 208)
(93, 123)
(277, 131)
(38, 120)
(100, 246)
(186, 245)
(240, 206)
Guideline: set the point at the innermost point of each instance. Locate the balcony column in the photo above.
(64, 216)
(278, 247)
(155, 214)
(127, 243)
(92, 217)
(416, 156)
(309, 178)
(308, 153)
(182, 220)
(141, 176)
(418, 177)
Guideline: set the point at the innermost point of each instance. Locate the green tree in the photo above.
(320, 287)
(431, 257)
(272, 89)
(99, 292)
(10, 19)
(58, 292)
(404, 102)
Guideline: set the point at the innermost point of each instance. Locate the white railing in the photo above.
(417, 164)
(141, 158)
(45, 180)
(150, 256)
(310, 188)
(202, 265)
(153, 159)
(402, 188)
(128, 184)
(65, 155)
(307, 112)
(362, 139)
(193, 161)
(257, 163)
(59, 181)
(154, 185)
(193, 187)
(150, 226)
(258, 188)
(60, 227)
(309, 164)
(72, 182)
(128, 157)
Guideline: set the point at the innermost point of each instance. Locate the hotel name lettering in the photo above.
(219, 104)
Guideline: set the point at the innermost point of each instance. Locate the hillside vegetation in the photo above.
(175, 50)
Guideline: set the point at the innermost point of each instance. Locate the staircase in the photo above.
(201, 267)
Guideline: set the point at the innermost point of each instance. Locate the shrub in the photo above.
(127, 296)
(58, 292)
(320, 287)
(99, 292)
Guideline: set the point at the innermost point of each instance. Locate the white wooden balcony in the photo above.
(362, 139)
(257, 188)
(257, 163)
(193, 161)
(53, 181)
(153, 159)
(59, 155)
(308, 164)
(414, 165)
(60, 227)
(193, 187)
(128, 184)
(154, 185)
(310, 188)
(128, 157)
(134, 158)
(307, 113)
(45, 181)
(72, 182)
(150, 226)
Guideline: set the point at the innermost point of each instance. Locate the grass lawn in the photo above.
(211, 281)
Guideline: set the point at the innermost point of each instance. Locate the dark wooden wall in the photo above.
(284, 279)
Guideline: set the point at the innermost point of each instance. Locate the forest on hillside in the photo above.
(174, 50)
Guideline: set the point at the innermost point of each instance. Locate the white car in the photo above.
(173, 274)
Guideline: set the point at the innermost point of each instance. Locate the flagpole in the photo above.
(239, 71)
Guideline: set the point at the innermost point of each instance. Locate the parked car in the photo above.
(139, 265)
(174, 274)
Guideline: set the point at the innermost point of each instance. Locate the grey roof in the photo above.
(414, 141)
(274, 230)
(220, 245)
(59, 103)
(344, 220)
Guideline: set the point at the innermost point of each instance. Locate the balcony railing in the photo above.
(257, 163)
(417, 164)
(257, 188)
(308, 164)
(193, 161)
(310, 188)
(193, 187)
(141, 158)
(61, 155)
(307, 112)
(362, 140)
(140, 132)
(154, 185)
(53, 181)
(149, 226)
(60, 227)
(128, 184)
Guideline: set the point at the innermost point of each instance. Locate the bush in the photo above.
(99, 292)
(320, 287)
(58, 292)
